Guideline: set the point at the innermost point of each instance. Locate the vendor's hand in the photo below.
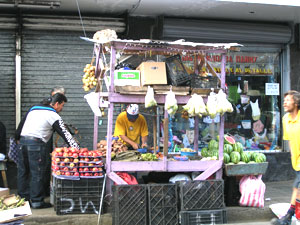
(144, 145)
(135, 146)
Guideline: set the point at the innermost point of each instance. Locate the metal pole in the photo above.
(101, 200)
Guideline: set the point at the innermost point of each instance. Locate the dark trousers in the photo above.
(32, 169)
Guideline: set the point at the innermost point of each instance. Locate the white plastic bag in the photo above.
(255, 110)
(171, 103)
(149, 98)
(252, 190)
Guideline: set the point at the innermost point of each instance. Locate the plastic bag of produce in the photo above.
(252, 190)
(211, 105)
(171, 103)
(149, 98)
(179, 177)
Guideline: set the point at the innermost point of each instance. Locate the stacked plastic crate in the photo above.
(202, 202)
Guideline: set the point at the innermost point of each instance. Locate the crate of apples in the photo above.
(90, 163)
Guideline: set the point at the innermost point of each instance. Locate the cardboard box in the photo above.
(15, 214)
(127, 77)
(4, 191)
(153, 73)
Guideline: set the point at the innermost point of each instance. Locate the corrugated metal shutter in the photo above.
(54, 55)
(225, 31)
(7, 74)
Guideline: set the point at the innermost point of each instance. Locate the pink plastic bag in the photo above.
(252, 190)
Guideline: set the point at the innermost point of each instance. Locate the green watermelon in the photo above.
(228, 148)
(260, 157)
(229, 140)
(253, 156)
(238, 147)
(214, 153)
(245, 157)
(235, 157)
(213, 144)
(226, 158)
(204, 152)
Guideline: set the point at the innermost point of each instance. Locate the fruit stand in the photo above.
(207, 168)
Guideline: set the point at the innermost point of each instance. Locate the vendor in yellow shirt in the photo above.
(131, 127)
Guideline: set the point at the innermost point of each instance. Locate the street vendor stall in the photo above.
(123, 47)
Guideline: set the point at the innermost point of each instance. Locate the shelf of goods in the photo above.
(208, 168)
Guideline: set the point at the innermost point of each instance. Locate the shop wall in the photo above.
(295, 60)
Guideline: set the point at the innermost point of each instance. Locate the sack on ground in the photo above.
(252, 190)
(13, 150)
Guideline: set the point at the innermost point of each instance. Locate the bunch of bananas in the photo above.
(89, 81)
(10, 202)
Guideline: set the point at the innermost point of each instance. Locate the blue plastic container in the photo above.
(142, 150)
(188, 153)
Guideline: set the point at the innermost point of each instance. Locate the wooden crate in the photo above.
(246, 169)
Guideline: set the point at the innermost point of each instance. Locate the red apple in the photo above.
(80, 169)
(76, 174)
(57, 173)
(90, 153)
(95, 154)
(60, 154)
(86, 169)
(66, 150)
(75, 155)
(74, 169)
(57, 159)
(62, 164)
(96, 174)
(81, 164)
(86, 174)
(84, 149)
(72, 164)
(96, 160)
(85, 154)
(58, 149)
(56, 167)
(95, 169)
(70, 154)
(65, 154)
(68, 173)
(66, 160)
(91, 164)
(86, 159)
(82, 174)
(76, 160)
(66, 169)
(62, 173)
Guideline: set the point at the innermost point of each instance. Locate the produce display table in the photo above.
(141, 47)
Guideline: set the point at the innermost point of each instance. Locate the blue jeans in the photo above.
(32, 169)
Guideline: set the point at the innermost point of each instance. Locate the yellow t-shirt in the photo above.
(133, 130)
(291, 132)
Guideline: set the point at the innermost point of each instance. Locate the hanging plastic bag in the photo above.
(211, 105)
(255, 110)
(149, 98)
(171, 103)
(252, 191)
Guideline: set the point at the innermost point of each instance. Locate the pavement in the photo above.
(276, 192)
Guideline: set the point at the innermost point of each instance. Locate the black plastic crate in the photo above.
(162, 202)
(77, 204)
(217, 216)
(176, 73)
(77, 196)
(204, 82)
(129, 204)
(201, 194)
(91, 186)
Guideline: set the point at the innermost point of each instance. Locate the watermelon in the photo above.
(245, 157)
(204, 152)
(253, 156)
(213, 144)
(228, 148)
(214, 153)
(238, 147)
(226, 158)
(235, 157)
(260, 157)
(229, 140)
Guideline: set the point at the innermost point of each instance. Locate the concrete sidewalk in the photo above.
(276, 192)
